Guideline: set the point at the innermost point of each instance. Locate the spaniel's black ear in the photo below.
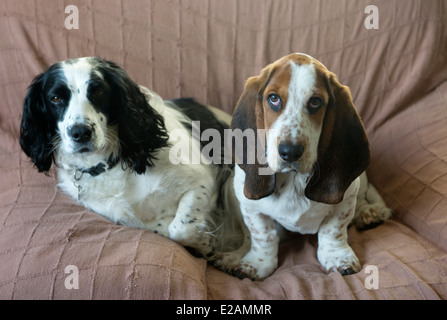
(36, 133)
(141, 129)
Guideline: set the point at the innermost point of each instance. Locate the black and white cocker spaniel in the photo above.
(112, 142)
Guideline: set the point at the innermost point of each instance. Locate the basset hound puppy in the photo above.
(315, 149)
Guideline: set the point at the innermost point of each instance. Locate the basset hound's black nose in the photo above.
(290, 152)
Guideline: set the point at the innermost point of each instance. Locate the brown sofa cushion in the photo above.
(411, 162)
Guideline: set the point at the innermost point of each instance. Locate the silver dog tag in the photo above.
(76, 177)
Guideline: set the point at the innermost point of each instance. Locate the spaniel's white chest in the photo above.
(118, 194)
(287, 205)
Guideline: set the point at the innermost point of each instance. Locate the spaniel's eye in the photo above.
(98, 93)
(56, 99)
(314, 104)
(274, 102)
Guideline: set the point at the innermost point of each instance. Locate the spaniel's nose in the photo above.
(80, 133)
(290, 152)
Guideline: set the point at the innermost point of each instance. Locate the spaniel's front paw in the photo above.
(256, 267)
(252, 265)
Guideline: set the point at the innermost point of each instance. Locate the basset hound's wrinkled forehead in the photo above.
(298, 80)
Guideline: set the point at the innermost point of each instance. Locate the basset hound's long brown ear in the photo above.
(249, 115)
(343, 151)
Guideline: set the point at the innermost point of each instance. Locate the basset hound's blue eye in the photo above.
(314, 104)
(274, 102)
